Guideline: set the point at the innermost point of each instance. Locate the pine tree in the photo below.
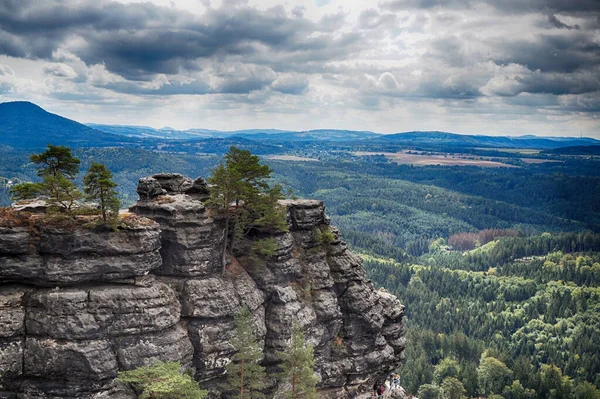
(223, 193)
(245, 375)
(241, 194)
(56, 160)
(57, 167)
(298, 362)
(26, 190)
(163, 381)
(452, 388)
(61, 191)
(100, 187)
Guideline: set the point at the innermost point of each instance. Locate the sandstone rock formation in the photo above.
(78, 305)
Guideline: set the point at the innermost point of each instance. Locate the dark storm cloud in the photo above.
(557, 23)
(139, 40)
(556, 53)
(449, 50)
(546, 83)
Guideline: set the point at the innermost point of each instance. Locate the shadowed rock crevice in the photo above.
(78, 305)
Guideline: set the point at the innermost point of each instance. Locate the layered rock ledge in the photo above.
(78, 305)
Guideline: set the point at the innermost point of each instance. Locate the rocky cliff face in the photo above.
(77, 305)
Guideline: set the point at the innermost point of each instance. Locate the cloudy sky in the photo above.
(502, 67)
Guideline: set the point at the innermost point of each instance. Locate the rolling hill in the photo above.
(252, 134)
(446, 139)
(24, 125)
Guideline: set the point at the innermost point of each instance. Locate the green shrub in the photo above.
(163, 380)
(265, 248)
(323, 237)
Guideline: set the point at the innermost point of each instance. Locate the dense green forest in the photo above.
(499, 268)
(518, 313)
(538, 315)
(404, 207)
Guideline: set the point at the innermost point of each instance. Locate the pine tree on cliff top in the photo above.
(244, 374)
(100, 187)
(58, 167)
(298, 362)
(57, 159)
(241, 194)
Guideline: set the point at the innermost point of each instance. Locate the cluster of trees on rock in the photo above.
(241, 194)
(57, 167)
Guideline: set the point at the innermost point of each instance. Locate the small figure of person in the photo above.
(396, 381)
(380, 391)
(375, 388)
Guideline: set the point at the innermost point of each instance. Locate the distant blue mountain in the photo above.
(25, 125)
(309, 135)
(446, 139)
(252, 134)
(165, 133)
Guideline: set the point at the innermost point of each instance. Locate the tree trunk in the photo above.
(225, 241)
(102, 206)
(242, 382)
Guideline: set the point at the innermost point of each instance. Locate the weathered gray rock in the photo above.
(15, 241)
(148, 188)
(211, 340)
(38, 205)
(55, 270)
(11, 364)
(12, 311)
(102, 312)
(89, 306)
(74, 256)
(199, 190)
(174, 182)
(171, 345)
(81, 241)
(50, 359)
(191, 239)
(305, 214)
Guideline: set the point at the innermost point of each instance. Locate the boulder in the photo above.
(174, 182)
(149, 188)
(199, 190)
(305, 214)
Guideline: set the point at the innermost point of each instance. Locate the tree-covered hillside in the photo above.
(25, 125)
(537, 316)
(514, 295)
